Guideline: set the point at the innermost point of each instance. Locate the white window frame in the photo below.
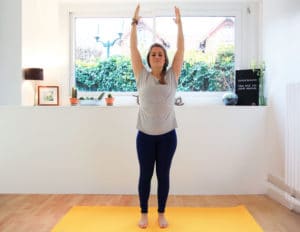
(246, 44)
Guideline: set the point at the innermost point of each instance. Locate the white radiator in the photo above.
(287, 191)
(292, 138)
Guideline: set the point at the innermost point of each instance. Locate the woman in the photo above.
(156, 139)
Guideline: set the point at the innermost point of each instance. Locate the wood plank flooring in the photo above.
(39, 213)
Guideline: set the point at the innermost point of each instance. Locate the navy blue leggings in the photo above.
(155, 150)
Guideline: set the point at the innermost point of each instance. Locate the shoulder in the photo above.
(143, 76)
(144, 72)
(170, 72)
(170, 75)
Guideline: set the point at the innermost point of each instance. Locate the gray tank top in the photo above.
(156, 114)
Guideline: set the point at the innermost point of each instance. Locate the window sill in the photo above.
(188, 98)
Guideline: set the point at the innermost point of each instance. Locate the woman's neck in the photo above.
(156, 73)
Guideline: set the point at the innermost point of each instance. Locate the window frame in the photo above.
(238, 10)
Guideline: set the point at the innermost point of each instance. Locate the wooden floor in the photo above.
(39, 213)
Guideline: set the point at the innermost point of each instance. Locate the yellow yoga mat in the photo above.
(181, 219)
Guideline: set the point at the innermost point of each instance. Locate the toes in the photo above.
(162, 223)
(143, 223)
(142, 226)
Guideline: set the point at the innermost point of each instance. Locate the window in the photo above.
(209, 51)
(102, 58)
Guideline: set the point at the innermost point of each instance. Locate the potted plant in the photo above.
(109, 100)
(91, 101)
(100, 96)
(73, 98)
(260, 68)
(230, 98)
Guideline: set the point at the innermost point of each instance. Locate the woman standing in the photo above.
(156, 139)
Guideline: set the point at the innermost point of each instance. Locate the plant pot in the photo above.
(73, 101)
(109, 101)
(230, 98)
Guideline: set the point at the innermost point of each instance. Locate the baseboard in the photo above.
(282, 193)
(279, 183)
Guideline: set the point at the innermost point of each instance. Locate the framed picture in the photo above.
(48, 95)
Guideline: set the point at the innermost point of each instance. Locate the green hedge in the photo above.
(115, 74)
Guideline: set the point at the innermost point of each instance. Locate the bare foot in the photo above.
(162, 221)
(143, 223)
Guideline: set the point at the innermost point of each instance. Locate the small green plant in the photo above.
(74, 92)
(261, 68)
(109, 95)
(101, 96)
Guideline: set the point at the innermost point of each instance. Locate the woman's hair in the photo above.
(164, 70)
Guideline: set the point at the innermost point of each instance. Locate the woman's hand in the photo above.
(137, 13)
(136, 59)
(177, 16)
(178, 57)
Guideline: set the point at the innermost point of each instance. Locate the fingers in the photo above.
(177, 11)
(177, 15)
(137, 12)
(137, 9)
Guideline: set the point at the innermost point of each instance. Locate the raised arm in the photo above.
(178, 57)
(136, 60)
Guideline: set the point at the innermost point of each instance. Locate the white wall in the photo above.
(10, 52)
(221, 150)
(43, 45)
(281, 36)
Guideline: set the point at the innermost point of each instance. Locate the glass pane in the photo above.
(209, 51)
(102, 58)
(99, 38)
(145, 36)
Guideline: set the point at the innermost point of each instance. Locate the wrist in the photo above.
(134, 21)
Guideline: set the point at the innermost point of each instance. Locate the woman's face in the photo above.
(157, 57)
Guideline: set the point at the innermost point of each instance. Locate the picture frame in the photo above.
(48, 95)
